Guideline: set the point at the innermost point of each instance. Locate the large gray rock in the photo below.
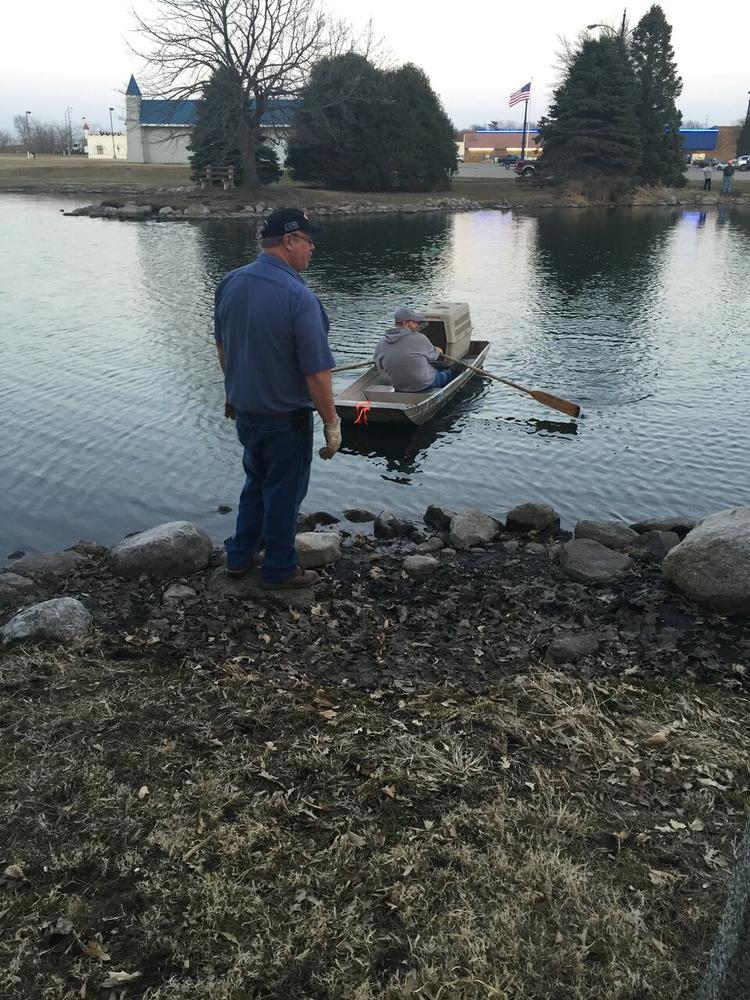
(470, 528)
(176, 548)
(613, 534)
(12, 583)
(587, 561)
(56, 564)
(387, 525)
(681, 525)
(655, 544)
(61, 618)
(532, 517)
(87, 547)
(420, 566)
(358, 516)
(439, 517)
(318, 548)
(133, 211)
(712, 564)
(176, 593)
(728, 973)
(430, 545)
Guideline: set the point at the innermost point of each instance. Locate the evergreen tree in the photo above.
(658, 87)
(743, 136)
(365, 129)
(338, 127)
(215, 139)
(421, 132)
(592, 131)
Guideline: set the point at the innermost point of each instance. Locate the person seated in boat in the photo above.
(406, 356)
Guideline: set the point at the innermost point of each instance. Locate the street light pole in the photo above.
(112, 133)
(28, 134)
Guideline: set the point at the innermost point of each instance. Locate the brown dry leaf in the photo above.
(119, 978)
(658, 739)
(93, 949)
(14, 871)
(356, 840)
(143, 791)
(389, 790)
(657, 877)
(376, 572)
(329, 714)
(697, 826)
(229, 937)
(323, 702)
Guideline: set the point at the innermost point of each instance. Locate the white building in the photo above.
(158, 131)
(106, 145)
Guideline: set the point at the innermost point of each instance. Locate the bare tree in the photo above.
(266, 48)
(5, 139)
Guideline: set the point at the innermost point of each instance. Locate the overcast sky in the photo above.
(54, 54)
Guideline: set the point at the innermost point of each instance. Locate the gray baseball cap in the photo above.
(404, 315)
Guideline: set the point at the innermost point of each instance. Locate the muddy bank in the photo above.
(419, 605)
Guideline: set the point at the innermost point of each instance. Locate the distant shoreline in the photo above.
(165, 185)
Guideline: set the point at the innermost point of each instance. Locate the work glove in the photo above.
(333, 439)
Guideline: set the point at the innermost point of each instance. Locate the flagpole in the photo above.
(523, 136)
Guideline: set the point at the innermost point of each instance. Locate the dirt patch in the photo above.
(381, 795)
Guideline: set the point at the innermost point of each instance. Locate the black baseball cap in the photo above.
(285, 221)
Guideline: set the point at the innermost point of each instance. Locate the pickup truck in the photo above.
(527, 168)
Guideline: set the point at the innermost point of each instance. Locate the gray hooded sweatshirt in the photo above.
(405, 356)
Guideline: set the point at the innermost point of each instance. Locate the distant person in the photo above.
(406, 356)
(728, 179)
(707, 178)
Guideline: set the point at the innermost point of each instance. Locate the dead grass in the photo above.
(228, 836)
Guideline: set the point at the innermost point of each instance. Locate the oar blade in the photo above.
(555, 402)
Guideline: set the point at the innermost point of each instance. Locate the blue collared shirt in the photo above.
(274, 331)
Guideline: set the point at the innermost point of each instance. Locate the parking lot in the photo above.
(470, 171)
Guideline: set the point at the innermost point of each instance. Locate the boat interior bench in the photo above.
(383, 394)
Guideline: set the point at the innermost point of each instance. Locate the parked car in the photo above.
(509, 161)
(742, 162)
(526, 168)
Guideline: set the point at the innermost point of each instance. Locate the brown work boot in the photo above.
(299, 579)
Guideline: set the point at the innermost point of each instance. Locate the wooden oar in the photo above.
(564, 405)
(346, 368)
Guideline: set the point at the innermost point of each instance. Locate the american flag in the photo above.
(520, 95)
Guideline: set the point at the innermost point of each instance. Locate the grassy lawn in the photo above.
(53, 171)
(219, 836)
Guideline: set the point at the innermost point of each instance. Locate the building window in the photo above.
(100, 150)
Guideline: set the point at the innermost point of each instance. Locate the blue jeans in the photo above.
(276, 459)
(727, 186)
(442, 378)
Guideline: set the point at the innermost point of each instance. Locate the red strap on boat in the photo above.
(361, 409)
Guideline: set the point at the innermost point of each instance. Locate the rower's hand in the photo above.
(333, 439)
(439, 350)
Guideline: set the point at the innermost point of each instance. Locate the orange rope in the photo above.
(361, 409)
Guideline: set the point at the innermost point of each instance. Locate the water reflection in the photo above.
(403, 447)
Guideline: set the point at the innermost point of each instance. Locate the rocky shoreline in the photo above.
(462, 598)
(186, 207)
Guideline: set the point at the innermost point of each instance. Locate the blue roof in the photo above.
(166, 112)
(133, 89)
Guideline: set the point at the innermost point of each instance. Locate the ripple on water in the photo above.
(112, 403)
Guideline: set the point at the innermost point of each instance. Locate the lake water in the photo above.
(111, 403)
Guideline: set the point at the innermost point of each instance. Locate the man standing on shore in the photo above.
(272, 339)
(707, 177)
